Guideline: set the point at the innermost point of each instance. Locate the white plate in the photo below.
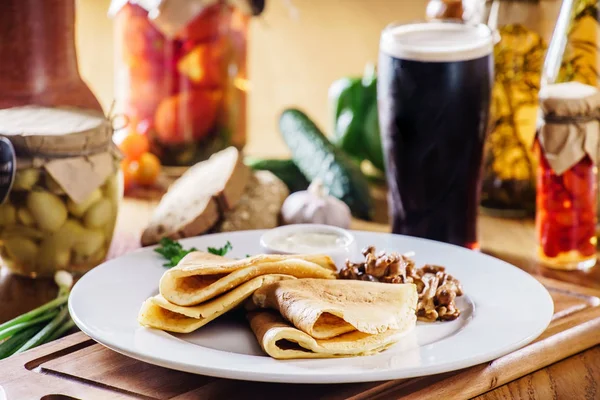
(503, 309)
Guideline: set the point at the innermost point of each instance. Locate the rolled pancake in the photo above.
(202, 277)
(327, 308)
(282, 341)
(157, 312)
(199, 262)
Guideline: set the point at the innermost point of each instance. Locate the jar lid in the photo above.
(569, 99)
(55, 132)
(74, 146)
(570, 127)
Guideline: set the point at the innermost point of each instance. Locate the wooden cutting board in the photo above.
(77, 367)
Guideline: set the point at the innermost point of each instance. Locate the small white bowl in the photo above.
(338, 252)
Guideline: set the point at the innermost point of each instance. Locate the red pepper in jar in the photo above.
(566, 146)
(566, 216)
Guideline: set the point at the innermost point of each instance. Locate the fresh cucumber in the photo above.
(316, 157)
(285, 170)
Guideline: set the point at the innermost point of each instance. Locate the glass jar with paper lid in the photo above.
(567, 146)
(62, 190)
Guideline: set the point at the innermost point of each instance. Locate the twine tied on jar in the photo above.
(74, 146)
(570, 124)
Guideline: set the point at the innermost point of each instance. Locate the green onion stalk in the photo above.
(44, 324)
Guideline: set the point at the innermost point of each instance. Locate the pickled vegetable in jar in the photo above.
(567, 175)
(62, 206)
(181, 75)
(523, 31)
(573, 53)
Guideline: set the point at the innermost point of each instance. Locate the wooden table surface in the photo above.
(575, 377)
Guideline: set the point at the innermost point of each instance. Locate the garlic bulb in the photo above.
(315, 206)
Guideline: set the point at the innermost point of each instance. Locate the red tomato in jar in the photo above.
(585, 204)
(187, 116)
(134, 145)
(541, 219)
(207, 25)
(588, 218)
(566, 218)
(583, 167)
(586, 230)
(556, 184)
(205, 65)
(558, 200)
(547, 234)
(579, 184)
(142, 39)
(550, 243)
(144, 97)
(566, 242)
(128, 180)
(142, 70)
(587, 248)
(146, 169)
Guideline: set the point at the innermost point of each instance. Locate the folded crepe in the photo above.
(282, 341)
(202, 276)
(325, 309)
(157, 312)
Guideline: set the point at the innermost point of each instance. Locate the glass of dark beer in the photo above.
(434, 86)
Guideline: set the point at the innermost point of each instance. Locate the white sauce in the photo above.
(308, 242)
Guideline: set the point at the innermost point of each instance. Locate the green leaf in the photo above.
(173, 251)
(220, 251)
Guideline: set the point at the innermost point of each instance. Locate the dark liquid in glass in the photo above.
(433, 118)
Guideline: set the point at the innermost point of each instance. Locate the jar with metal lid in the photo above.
(61, 202)
(567, 147)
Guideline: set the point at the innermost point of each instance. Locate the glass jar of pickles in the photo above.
(574, 51)
(523, 29)
(62, 202)
(567, 149)
(181, 75)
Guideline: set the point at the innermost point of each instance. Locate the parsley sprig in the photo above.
(173, 251)
(220, 251)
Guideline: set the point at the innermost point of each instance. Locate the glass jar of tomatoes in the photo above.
(181, 75)
(567, 175)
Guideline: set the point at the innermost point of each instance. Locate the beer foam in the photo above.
(437, 41)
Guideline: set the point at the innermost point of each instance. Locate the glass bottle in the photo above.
(523, 29)
(445, 9)
(465, 10)
(39, 59)
(573, 51)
